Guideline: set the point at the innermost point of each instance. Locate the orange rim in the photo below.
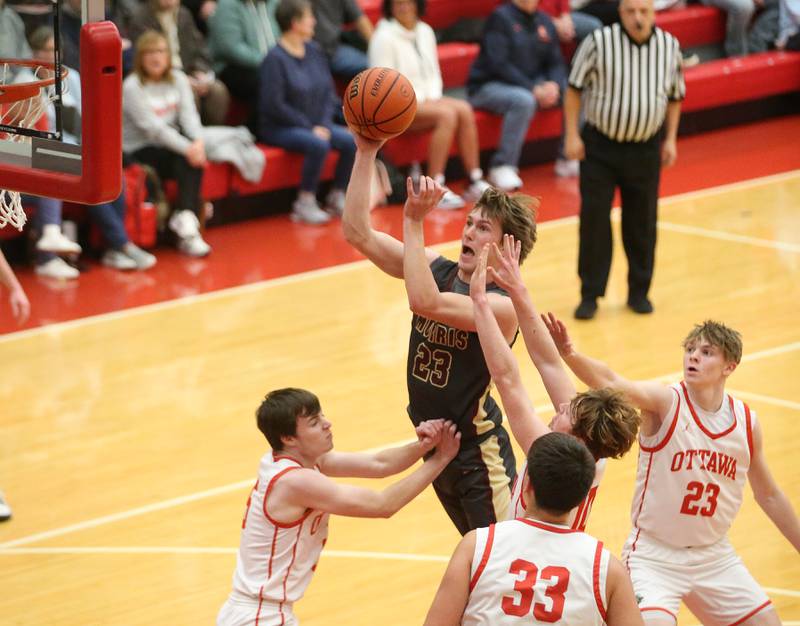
(24, 91)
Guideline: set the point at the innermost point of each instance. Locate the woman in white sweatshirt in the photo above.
(404, 42)
(161, 128)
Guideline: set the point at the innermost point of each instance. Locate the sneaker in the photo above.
(475, 190)
(193, 246)
(5, 510)
(184, 224)
(450, 201)
(640, 304)
(308, 212)
(567, 168)
(334, 203)
(57, 268)
(118, 260)
(505, 177)
(144, 260)
(586, 309)
(53, 240)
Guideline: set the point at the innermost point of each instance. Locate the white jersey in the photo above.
(549, 573)
(276, 560)
(577, 518)
(691, 473)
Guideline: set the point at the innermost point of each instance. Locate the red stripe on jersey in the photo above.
(633, 549)
(584, 508)
(484, 558)
(749, 424)
(272, 553)
(289, 571)
(644, 493)
(671, 430)
(544, 526)
(658, 608)
(700, 424)
(596, 580)
(260, 600)
(753, 612)
(266, 495)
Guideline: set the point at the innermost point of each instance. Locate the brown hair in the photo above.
(719, 336)
(277, 416)
(148, 40)
(560, 471)
(605, 421)
(516, 214)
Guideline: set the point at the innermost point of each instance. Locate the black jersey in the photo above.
(447, 373)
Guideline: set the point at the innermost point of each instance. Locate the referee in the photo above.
(632, 83)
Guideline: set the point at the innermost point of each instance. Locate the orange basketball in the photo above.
(379, 103)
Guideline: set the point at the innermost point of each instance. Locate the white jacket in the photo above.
(411, 52)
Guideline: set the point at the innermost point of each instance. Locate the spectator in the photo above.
(789, 25)
(607, 11)
(201, 11)
(765, 28)
(296, 105)
(240, 33)
(403, 42)
(110, 216)
(189, 54)
(740, 12)
(161, 128)
(332, 15)
(13, 44)
(571, 25)
(118, 11)
(518, 70)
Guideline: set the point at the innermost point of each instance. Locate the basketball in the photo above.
(379, 103)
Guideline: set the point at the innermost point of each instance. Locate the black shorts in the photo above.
(475, 488)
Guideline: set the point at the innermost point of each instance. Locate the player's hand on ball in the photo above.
(369, 146)
(422, 202)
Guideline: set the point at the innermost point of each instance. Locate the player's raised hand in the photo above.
(507, 273)
(422, 202)
(429, 433)
(449, 444)
(477, 282)
(366, 145)
(558, 331)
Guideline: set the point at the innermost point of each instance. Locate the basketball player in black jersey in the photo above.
(446, 372)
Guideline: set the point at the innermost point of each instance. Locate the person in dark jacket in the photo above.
(296, 105)
(520, 69)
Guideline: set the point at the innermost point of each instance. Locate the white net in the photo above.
(26, 91)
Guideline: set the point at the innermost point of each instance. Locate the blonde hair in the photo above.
(605, 421)
(148, 40)
(719, 336)
(516, 214)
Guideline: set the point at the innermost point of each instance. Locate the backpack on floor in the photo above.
(141, 214)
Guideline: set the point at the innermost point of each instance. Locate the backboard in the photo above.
(75, 151)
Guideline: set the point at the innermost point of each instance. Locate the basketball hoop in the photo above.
(21, 107)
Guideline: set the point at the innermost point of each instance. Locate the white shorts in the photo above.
(236, 613)
(711, 580)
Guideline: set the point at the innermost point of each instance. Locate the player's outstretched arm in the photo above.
(385, 462)
(306, 488)
(769, 496)
(382, 249)
(451, 598)
(538, 341)
(424, 297)
(503, 367)
(621, 606)
(20, 306)
(653, 398)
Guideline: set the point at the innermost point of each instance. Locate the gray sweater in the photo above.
(159, 114)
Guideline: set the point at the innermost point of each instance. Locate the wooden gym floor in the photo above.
(128, 444)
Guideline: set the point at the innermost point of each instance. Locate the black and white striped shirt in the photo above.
(627, 85)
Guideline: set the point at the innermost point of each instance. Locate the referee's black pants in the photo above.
(635, 168)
